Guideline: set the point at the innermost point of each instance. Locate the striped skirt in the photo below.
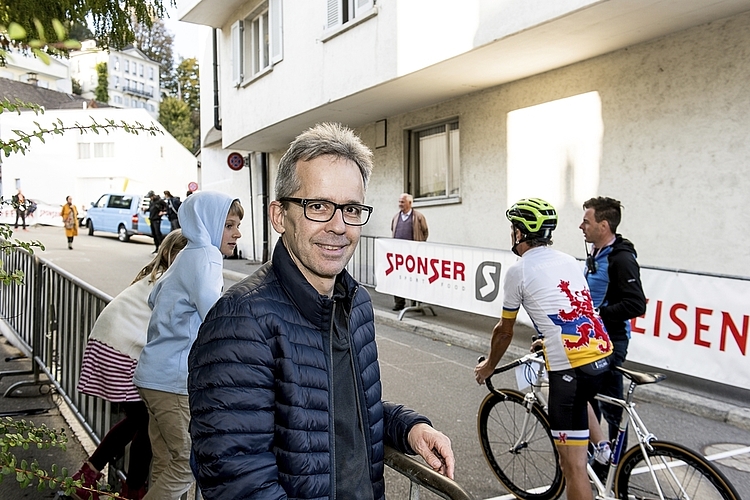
(107, 373)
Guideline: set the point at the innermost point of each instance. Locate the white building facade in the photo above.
(470, 107)
(86, 166)
(133, 78)
(27, 68)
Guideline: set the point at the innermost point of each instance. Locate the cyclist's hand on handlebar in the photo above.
(483, 370)
(537, 345)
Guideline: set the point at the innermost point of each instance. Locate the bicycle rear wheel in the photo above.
(680, 474)
(518, 446)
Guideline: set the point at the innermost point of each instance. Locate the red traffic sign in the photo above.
(235, 161)
(193, 186)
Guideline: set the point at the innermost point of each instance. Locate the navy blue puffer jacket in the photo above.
(259, 389)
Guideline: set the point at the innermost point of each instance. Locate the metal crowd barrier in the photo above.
(362, 264)
(50, 317)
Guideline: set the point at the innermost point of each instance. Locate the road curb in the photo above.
(736, 416)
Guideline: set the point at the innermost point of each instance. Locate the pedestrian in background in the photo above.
(21, 206)
(180, 301)
(173, 205)
(109, 362)
(69, 215)
(614, 278)
(156, 209)
(407, 224)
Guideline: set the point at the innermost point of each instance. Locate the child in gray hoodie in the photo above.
(180, 301)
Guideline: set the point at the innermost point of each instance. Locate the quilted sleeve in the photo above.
(231, 389)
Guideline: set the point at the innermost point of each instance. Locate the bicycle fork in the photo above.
(523, 439)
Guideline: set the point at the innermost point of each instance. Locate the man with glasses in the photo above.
(614, 278)
(284, 381)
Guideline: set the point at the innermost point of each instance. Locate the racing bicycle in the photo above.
(516, 440)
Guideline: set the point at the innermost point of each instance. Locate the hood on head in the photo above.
(202, 216)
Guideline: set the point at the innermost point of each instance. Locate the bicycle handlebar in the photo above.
(532, 357)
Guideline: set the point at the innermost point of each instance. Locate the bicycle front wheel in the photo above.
(518, 445)
(679, 473)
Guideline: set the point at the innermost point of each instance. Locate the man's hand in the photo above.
(434, 447)
(482, 371)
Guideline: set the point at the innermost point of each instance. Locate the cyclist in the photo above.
(552, 289)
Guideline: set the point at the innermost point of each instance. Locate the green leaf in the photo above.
(72, 45)
(16, 31)
(59, 29)
(42, 55)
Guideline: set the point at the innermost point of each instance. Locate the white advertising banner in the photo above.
(465, 278)
(47, 215)
(696, 325)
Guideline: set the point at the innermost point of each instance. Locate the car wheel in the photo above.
(122, 233)
(90, 225)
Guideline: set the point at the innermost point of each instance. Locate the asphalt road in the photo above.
(432, 377)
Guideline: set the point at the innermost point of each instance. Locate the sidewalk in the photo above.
(40, 405)
(473, 331)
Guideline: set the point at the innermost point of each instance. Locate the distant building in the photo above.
(87, 165)
(133, 77)
(23, 67)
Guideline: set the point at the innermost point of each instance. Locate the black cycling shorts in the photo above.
(569, 393)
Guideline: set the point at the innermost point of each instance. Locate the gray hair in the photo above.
(323, 139)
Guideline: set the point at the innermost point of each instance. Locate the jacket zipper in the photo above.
(332, 436)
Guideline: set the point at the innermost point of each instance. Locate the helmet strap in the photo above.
(517, 242)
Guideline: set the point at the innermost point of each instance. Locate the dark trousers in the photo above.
(156, 232)
(612, 386)
(175, 223)
(131, 429)
(22, 215)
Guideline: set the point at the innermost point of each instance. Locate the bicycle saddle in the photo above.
(641, 377)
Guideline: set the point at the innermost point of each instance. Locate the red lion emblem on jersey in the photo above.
(583, 308)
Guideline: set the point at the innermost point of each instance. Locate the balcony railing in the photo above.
(135, 91)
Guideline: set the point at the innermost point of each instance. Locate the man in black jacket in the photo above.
(156, 209)
(615, 282)
(284, 380)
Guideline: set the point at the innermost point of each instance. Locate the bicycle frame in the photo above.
(644, 438)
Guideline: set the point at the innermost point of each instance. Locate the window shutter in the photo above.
(277, 30)
(237, 53)
(333, 13)
(362, 6)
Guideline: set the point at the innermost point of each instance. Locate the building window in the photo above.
(340, 12)
(116, 63)
(84, 150)
(257, 41)
(151, 107)
(117, 82)
(434, 161)
(127, 102)
(140, 70)
(151, 73)
(104, 149)
(127, 66)
(118, 99)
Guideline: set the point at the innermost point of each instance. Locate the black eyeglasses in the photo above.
(324, 210)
